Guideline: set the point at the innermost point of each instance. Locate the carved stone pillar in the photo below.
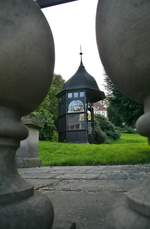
(27, 156)
(26, 68)
(123, 36)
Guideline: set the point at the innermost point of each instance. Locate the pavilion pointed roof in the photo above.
(83, 80)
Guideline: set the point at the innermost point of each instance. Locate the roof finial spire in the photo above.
(81, 53)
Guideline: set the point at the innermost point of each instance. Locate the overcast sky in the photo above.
(73, 24)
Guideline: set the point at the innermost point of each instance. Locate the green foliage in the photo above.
(47, 111)
(47, 122)
(121, 110)
(127, 129)
(98, 136)
(111, 133)
(129, 149)
(55, 137)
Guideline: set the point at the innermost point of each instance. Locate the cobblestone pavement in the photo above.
(85, 194)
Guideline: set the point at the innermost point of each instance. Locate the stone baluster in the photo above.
(123, 35)
(26, 69)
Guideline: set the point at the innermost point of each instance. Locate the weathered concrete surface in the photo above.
(85, 195)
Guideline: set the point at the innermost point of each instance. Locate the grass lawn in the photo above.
(129, 149)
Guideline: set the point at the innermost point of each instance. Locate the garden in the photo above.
(120, 143)
(129, 149)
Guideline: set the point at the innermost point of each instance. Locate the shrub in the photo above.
(128, 130)
(107, 127)
(98, 136)
(55, 136)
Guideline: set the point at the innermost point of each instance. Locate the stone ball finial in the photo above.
(123, 37)
(26, 69)
(26, 55)
(123, 34)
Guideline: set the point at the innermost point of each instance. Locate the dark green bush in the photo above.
(98, 136)
(107, 127)
(127, 129)
(55, 136)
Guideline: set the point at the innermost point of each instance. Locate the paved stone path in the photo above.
(86, 194)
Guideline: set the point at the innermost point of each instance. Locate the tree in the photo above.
(121, 109)
(48, 110)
